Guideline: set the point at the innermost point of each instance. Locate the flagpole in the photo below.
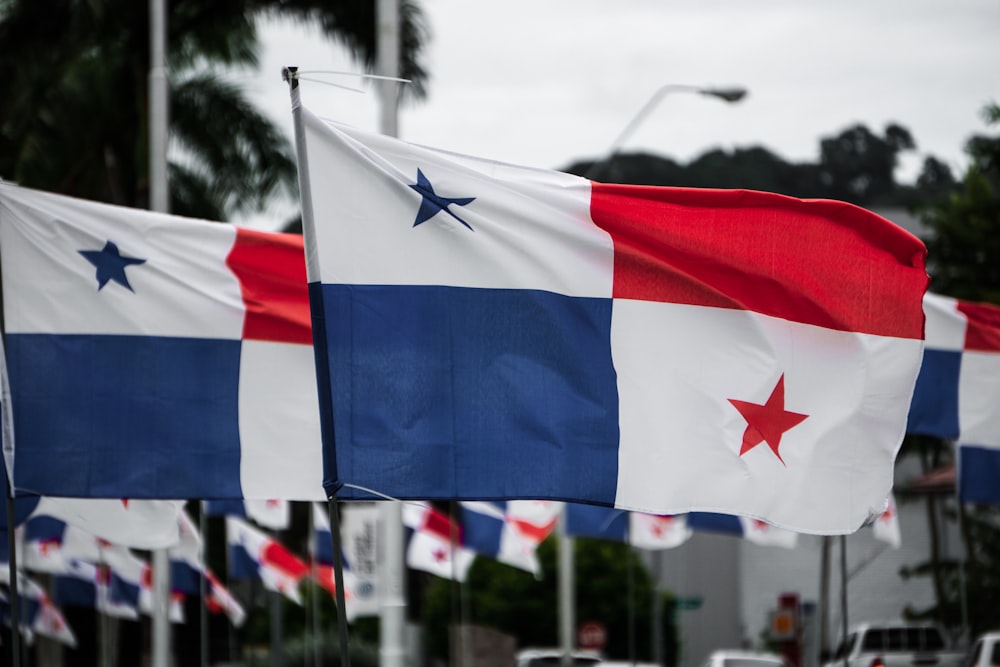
(159, 200)
(315, 587)
(824, 596)
(203, 584)
(338, 578)
(630, 551)
(290, 75)
(393, 591)
(843, 591)
(566, 592)
(15, 638)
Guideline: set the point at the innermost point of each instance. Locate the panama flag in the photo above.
(979, 406)
(510, 531)
(752, 530)
(490, 331)
(85, 584)
(153, 356)
(142, 524)
(50, 544)
(435, 543)
(39, 614)
(934, 408)
(218, 599)
(645, 531)
(273, 513)
(886, 527)
(254, 555)
(957, 396)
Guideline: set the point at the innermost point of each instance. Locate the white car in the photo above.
(985, 652)
(736, 658)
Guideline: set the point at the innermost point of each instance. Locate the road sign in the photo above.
(592, 636)
(782, 624)
(689, 603)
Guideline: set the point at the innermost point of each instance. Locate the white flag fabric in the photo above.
(140, 524)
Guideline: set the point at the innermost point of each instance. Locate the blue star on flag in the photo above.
(110, 265)
(432, 203)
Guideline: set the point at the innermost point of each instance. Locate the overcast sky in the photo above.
(545, 82)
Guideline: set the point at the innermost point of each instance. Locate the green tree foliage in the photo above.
(858, 165)
(514, 602)
(963, 258)
(74, 113)
(964, 248)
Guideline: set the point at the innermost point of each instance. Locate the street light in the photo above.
(733, 94)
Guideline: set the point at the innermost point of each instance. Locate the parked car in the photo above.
(739, 658)
(895, 644)
(985, 651)
(552, 657)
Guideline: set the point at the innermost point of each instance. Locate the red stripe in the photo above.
(816, 262)
(438, 523)
(271, 268)
(277, 556)
(983, 331)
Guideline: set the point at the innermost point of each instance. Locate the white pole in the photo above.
(159, 201)
(392, 588)
(566, 592)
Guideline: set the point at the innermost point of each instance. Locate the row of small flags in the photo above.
(88, 570)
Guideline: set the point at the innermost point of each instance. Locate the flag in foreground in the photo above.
(491, 331)
(153, 356)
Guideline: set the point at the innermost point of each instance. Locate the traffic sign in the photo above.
(592, 636)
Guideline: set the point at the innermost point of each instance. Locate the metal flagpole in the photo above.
(289, 74)
(203, 584)
(15, 613)
(7, 435)
(843, 592)
(338, 577)
(630, 551)
(159, 201)
(566, 592)
(393, 591)
(824, 595)
(315, 587)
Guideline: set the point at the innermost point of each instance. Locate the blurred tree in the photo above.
(964, 262)
(858, 166)
(855, 165)
(964, 246)
(74, 113)
(514, 602)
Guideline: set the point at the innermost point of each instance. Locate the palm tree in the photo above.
(74, 113)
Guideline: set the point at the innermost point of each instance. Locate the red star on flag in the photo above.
(440, 555)
(659, 525)
(768, 422)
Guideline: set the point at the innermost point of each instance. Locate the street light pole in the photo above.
(733, 94)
